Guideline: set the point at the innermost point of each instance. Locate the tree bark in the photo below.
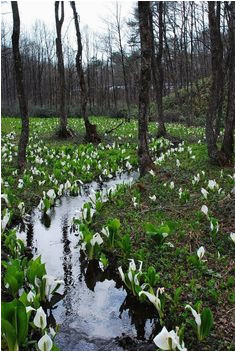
(145, 162)
(24, 137)
(228, 141)
(63, 132)
(216, 94)
(91, 131)
(157, 70)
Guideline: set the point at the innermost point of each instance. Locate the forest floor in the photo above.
(169, 199)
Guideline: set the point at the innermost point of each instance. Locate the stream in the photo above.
(95, 313)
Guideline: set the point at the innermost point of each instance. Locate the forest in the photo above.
(117, 188)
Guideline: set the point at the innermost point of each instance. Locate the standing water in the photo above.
(95, 313)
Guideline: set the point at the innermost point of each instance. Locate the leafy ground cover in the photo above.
(178, 220)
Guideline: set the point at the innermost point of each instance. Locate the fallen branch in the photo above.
(113, 129)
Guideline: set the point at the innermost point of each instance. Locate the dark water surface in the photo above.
(96, 313)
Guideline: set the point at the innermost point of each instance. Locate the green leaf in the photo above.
(207, 322)
(10, 333)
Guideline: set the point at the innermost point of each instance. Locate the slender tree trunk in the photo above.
(216, 94)
(145, 162)
(62, 83)
(123, 62)
(20, 87)
(91, 131)
(157, 70)
(228, 141)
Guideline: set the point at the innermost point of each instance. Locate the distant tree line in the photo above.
(181, 47)
(163, 62)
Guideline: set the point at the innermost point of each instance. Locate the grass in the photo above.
(211, 282)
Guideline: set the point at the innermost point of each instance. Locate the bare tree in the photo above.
(227, 146)
(118, 26)
(63, 132)
(157, 69)
(216, 94)
(145, 162)
(91, 131)
(20, 87)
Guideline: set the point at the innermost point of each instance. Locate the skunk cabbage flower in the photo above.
(168, 341)
(200, 252)
(212, 184)
(151, 172)
(30, 296)
(153, 198)
(96, 239)
(204, 209)
(5, 220)
(45, 343)
(40, 319)
(196, 315)
(154, 299)
(204, 192)
(232, 236)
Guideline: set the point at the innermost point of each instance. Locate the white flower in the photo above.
(29, 309)
(204, 209)
(5, 219)
(153, 198)
(105, 231)
(204, 192)
(168, 341)
(41, 205)
(212, 184)
(50, 285)
(196, 315)
(45, 343)
(151, 172)
(51, 194)
(96, 239)
(52, 332)
(232, 236)
(121, 273)
(154, 299)
(177, 163)
(30, 296)
(40, 319)
(200, 252)
(5, 197)
(172, 185)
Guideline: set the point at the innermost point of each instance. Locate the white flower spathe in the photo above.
(196, 315)
(204, 192)
(45, 343)
(168, 341)
(40, 319)
(204, 209)
(200, 252)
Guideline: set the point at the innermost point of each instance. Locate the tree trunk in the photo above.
(157, 71)
(123, 62)
(20, 87)
(216, 94)
(91, 131)
(145, 162)
(63, 132)
(227, 146)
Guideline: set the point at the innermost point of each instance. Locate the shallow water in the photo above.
(96, 313)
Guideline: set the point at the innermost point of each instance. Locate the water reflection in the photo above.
(95, 308)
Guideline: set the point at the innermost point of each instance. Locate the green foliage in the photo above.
(14, 276)
(158, 233)
(125, 245)
(151, 277)
(14, 324)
